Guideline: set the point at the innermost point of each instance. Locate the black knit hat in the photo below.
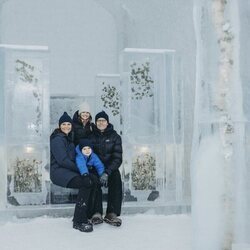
(84, 143)
(65, 118)
(103, 115)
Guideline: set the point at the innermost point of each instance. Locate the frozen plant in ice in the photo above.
(26, 71)
(141, 81)
(28, 75)
(27, 175)
(111, 98)
(143, 173)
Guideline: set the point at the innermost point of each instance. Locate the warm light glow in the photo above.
(143, 149)
(29, 149)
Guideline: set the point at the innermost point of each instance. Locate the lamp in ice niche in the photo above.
(29, 149)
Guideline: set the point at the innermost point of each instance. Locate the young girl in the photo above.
(82, 123)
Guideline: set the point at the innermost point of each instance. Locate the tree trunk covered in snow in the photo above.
(219, 125)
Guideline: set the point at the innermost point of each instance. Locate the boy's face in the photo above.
(87, 151)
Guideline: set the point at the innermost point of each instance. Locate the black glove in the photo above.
(87, 182)
(104, 179)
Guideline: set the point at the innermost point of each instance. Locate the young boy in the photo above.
(89, 163)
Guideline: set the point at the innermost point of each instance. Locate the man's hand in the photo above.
(104, 179)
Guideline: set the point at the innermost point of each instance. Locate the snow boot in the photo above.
(83, 227)
(113, 220)
(97, 219)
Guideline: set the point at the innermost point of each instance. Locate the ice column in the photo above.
(24, 126)
(151, 126)
(218, 171)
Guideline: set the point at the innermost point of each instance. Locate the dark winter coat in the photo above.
(62, 159)
(79, 130)
(84, 162)
(108, 146)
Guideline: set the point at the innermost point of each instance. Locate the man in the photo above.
(107, 144)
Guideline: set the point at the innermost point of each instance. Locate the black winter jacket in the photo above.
(79, 130)
(62, 159)
(108, 146)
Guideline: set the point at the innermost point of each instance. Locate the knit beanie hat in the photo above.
(85, 143)
(65, 118)
(103, 115)
(84, 107)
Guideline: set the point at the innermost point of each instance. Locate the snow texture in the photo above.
(138, 232)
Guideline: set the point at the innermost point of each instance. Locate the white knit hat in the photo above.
(84, 107)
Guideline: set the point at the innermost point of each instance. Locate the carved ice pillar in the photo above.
(150, 126)
(24, 125)
(220, 162)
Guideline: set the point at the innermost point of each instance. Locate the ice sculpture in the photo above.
(24, 128)
(220, 178)
(151, 126)
(108, 98)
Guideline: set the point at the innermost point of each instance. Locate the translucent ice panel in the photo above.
(108, 98)
(28, 175)
(26, 95)
(147, 80)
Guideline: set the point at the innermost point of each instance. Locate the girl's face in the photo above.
(87, 150)
(66, 127)
(85, 115)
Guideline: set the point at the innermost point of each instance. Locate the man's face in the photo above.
(101, 124)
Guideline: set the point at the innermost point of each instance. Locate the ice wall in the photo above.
(219, 159)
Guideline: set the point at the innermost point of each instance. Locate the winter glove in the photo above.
(104, 179)
(87, 182)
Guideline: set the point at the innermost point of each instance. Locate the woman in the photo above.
(64, 172)
(82, 123)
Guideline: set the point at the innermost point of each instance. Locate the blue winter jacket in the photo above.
(84, 162)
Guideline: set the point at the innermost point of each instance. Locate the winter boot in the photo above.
(113, 220)
(97, 219)
(83, 227)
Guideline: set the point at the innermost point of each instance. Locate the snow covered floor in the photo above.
(138, 232)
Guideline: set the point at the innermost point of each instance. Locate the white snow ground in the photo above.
(138, 232)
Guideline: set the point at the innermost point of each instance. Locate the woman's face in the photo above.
(85, 115)
(66, 127)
